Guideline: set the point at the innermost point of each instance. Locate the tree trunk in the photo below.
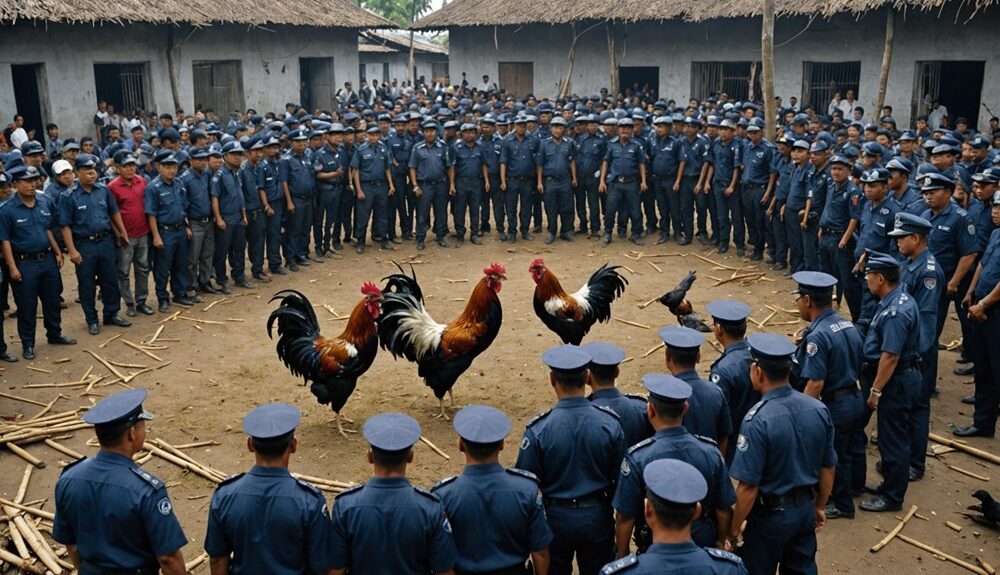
(409, 66)
(564, 89)
(883, 79)
(172, 68)
(613, 88)
(767, 60)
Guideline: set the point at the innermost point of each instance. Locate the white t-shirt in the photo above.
(18, 137)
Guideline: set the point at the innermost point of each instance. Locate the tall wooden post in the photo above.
(883, 78)
(767, 60)
(613, 88)
(172, 72)
(409, 66)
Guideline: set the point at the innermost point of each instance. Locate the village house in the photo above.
(385, 57)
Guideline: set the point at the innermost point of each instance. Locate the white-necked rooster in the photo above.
(571, 316)
(332, 365)
(442, 352)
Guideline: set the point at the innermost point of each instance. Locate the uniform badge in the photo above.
(811, 348)
(972, 229)
(164, 506)
(930, 283)
(741, 443)
(625, 468)
(715, 378)
(446, 525)
(525, 443)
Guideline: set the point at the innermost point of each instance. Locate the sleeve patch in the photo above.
(164, 507)
(742, 444)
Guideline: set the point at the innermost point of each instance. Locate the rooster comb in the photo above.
(494, 268)
(368, 288)
(537, 262)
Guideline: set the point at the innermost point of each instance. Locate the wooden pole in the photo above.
(966, 448)
(964, 564)
(564, 88)
(883, 78)
(767, 76)
(613, 60)
(895, 530)
(172, 70)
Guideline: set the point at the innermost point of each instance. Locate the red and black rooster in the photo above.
(332, 365)
(442, 352)
(676, 301)
(571, 316)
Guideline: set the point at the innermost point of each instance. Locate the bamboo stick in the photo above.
(653, 350)
(967, 472)
(654, 266)
(31, 510)
(38, 545)
(178, 453)
(19, 563)
(632, 323)
(646, 304)
(196, 444)
(142, 350)
(215, 303)
(986, 566)
(434, 448)
(48, 407)
(171, 317)
(964, 564)
(40, 369)
(105, 344)
(895, 530)
(156, 335)
(20, 452)
(21, 399)
(63, 449)
(205, 321)
(196, 562)
(62, 360)
(106, 364)
(313, 479)
(192, 467)
(966, 448)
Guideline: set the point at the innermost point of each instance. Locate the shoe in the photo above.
(407, 237)
(502, 236)
(130, 310)
(146, 310)
(527, 236)
(396, 240)
(387, 245)
(459, 242)
(208, 288)
(756, 257)
(337, 246)
(443, 242)
(833, 513)
(915, 475)
(279, 272)
(61, 340)
(664, 238)
(606, 240)
(879, 504)
(421, 245)
(566, 237)
(740, 252)
(293, 267)
(963, 360)
(28, 352)
(779, 266)
(581, 230)
(93, 329)
(550, 238)
(476, 241)
(685, 241)
(164, 307)
(245, 284)
(304, 262)
(7, 357)
(770, 260)
(638, 241)
(262, 278)
(317, 257)
(702, 237)
(359, 249)
(969, 400)
(967, 369)
(195, 299)
(538, 229)
(224, 288)
(723, 249)
(183, 301)
(972, 431)
(513, 238)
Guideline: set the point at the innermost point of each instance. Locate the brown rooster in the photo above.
(676, 301)
(442, 352)
(333, 365)
(571, 316)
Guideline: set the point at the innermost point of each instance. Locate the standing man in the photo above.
(624, 167)
(784, 466)
(164, 208)
(666, 160)
(837, 225)
(731, 371)
(723, 164)
(817, 182)
(694, 146)
(432, 172)
(828, 357)
(400, 204)
(387, 525)
(516, 528)
(877, 217)
(298, 182)
(490, 144)
(253, 186)
(330, 177)
(112, 515)
(197, 181)
(230, 218)
(759, 175)
(471, 179)
(794, 211)
(575, 450)
(371, 166)
(32, 260)
(273, 200)
(630, 409)
(266, 519)
(517, 173)
(129, 191)
(591, 149)
(88, 216)
(556, 172)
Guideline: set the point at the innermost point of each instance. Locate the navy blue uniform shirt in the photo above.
(830, 350)
(226, 185)
(952, 237)
(758, 162)
(328, 160)
(677, 559)
(298, 172)
(555, 157)
(665, 156)
(631, 411)
(590, 153)
(840, 205)
(924, 280)
(88, 213)
(431, 162)
(490, 148)
(709, 412)
(371, 161)
(165, 201)
(694, 153)
(469, 160)
(895, 328)
(874, 226)
(990, 262)
(725, 157)
(250, 176)
(26, 228)
(198, 198)
(624, 159)
(519, 156)
(731, 372)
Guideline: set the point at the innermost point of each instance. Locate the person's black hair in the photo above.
(671, 410)
(481, 450)
(683, 357)
(671, 515)
(733, 329)
(820, 299)
(603, 372)
(112, 435)
(51, 127)
(891, 275)
(775, 369)
(390, 459)
(574, 379)
(272, 448)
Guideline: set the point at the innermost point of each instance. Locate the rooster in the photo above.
(571, 316)
(332, 365)
(676, 301)
(442, 352)
(988, 508)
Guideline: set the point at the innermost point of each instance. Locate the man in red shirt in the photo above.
(129, 190)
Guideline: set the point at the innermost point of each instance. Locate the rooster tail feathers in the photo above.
(403, 284)
(295, 315)
(604, 287)
(688, 281)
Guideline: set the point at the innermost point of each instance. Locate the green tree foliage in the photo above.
(402, 12)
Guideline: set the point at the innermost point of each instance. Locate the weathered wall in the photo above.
(398, 62)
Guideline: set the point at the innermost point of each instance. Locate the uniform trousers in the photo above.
(846, 413)
(272, 234)
(663, 191)
(707, 213)
(584, 532)
(648, 200)
(779, 233)
(496, 197)
(623, 196)
(468, 199)
(753, 215)
(793, 234)
(326, 208)
(840, 264)
(343, 226)
(98, 266)
(729, 214)
(986, 354)
(400, 207)
(170, 262)
(810, 245)
(255, 235)
(558, 198)
(519, 191)
(39, 281)
(134, 255)
(231, 244)
(682, 207)
(433, 196)
(375, 205)
(785, 537)
(297, 226)
(201, 251)
(920, 417)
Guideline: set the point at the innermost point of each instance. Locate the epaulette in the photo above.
(426, 493)
(349, 490)
(444, 482)
(230, 479)
(156, 483)
(641, 398)
(641, 444)
(620, 565)
(607, 410)
(538, 417)
(84, 458)
(309, 487)
(753, 410)
(724, 555)
(522, 473)
(707, 440)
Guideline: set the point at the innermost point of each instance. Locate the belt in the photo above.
(753, 185)
(91, 569)
(555, 178)
(203, 220)
(522, 178)
(832, 396)
(470, 178)
(254, 211)
(872, 366)
(667, 177)
(373, 182)
(169, 227)
(33, 256)
(625, 179)
(93, 238)
(832, 231)
(797, 496)
(585, 501)
(429, 182)
(518, 569)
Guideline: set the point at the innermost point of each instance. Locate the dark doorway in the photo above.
(639, 78)
(730, 78)
(516, 78)
(122, 85)
(218, 86)
(316, 85)
(29, 90)
(957, 85)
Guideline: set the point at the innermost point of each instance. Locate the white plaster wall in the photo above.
(398, 62)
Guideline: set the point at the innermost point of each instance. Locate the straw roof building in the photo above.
(385, 56)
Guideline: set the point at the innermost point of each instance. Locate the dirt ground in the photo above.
(237, 369)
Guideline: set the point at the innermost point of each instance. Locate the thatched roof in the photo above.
(516, 12)
(319, 13)
(389, 41)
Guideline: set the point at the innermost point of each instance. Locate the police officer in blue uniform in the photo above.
(298, 181)
(387, 525)
(591, 149)
(265, 519)
(89, 216)
(555, 161)
(164, 203)
(758, 176)
(490, 143)
(694, 146)
(909, 199)
(923, 279)
(330, 176)
(709, 414)
(371, 168)
(197, 179)
(471, 182)
(113, 516)
(668, 403)
(665, 157)
(785, 466)
(675, 495)
(817, 183)
(32, 260)
(724, 162)
(517, 174)
(432, 171)
(226, 189)
(575, 450)
(828, 358)
(401, 203)
(631, 409)
(877, 217)
(731, 370)
(624, 168)
(796, 202)
(890, 382)
(251, 177)
(837, 225)
(497, 514)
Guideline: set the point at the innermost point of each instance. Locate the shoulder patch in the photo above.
(620, 565)
(607, 410)
(164, 506)
(82, 459)
(641, 398)
(147, 477)
(641, 444)
(811, 348)
(426, 493)
(443, 482)
(742, 444)
(706, 439)
(724, 555)
(522, 473)
(930, 283)
(230, 479)
(354, 489)
(715, 378)
(309, 487)
(538, 417)
(753, 410)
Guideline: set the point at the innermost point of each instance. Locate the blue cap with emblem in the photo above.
(391, 431)
(770, 346)
(482, 424)
(875, 175)
(801, 144)
(728, 311)
(85, 161)
(872, 149)
(468, 127)
(675, 481)
(819, 146)
(878, 261)
(603, 353)
(996, 198)
(813, 283)
(372, 129)
(298, 136)
(232, 147)
(566, 359)
(199, 153)
(937, 181)
(907, 224)
(272, 421)
(679, 337)
(429, 124)
(31, 147)
(23, 172)
(166, 158)
(842, 160)
(900, 164)
(120, 408)
(558, 121)
(666, 387)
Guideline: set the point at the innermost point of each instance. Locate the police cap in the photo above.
(567, 359)
(679, 337)
(675, 481)
(770, 346)
(481, 424)
(272, 421)
(728, 311)
(907, 224)
(810, 283)
(604, 354)
(391, 431)
(120, 408)
(668, 388)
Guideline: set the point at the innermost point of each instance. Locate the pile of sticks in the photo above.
(328, 485)
(25, 529)
(980, 568)
(171, 454)
(47, 429)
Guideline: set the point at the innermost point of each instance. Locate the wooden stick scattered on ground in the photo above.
(47, 407)
(63, 449)
(196, 562)
(156, 335)
(40, 369)
(895, 530)
(106, 364)
(967, 472)
(30, 510)
(127, 365)
(632, 323)
(105, 344)
(207, 443)
(653, 350)
(986, 566)
(654, 266)
(954, 527)
(18, 451)
(644, 305)
(630, 270)
(966, 448)
(19, 562)
(62, 360)
(235, 319)
(198, 327)
(766, 319)
(142, 350)
(434, 448)
(217, 302)
(195, 468)
(191, 369)
(964, 564)
(451, 281)
(321, 480)
(205, 321)
(21, 399)
(171, 317)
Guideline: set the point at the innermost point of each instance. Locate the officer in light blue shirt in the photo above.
(555, 161)
(432, 169)
(631, 409)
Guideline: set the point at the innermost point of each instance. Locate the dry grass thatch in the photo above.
(390, 41)
(515, 12)
(319, 13)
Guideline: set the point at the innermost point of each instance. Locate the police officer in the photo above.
(575, 450)
(517, 174)
(265, 519)
(297, 178)
(784, 466)
(668, 403)
(817, 180)
(759, 175)
(723, 164)
(113, 516)
(591, 148)
(555, 162)
(783, 167)
(631, 409)
(32, 260)
(837, 225)
(471, 182)
(923, 279)
(694, 191)
(497, 514)
(197, 180)
(164, 202)
(330, 177)
(731, 370)
(709, 414)
(665, 159)
(253, 190)
(400, 203)
(909, 200)
(675, 491)
(877, 217)
(828, 358)
(794, 211)
(371, 168)
(226, 189)
(490, 143)
(623, 167)
(88, 216)
(432, 169)
(890, 381)
(387, 525)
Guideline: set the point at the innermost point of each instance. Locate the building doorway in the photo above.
(517, 78)
(956, 84)
(218, 86)
(123, 85)
(730, 78)
(316, 83)
(639, 79)
(31, 96)
(821, 80)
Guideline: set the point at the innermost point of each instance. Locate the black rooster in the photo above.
(676, 301)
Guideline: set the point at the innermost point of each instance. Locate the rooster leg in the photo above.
(340, 427)
(451, 398)
(442, 415)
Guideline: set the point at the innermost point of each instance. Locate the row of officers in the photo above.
(783, 421)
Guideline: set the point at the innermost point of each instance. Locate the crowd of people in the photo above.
(899, 225)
